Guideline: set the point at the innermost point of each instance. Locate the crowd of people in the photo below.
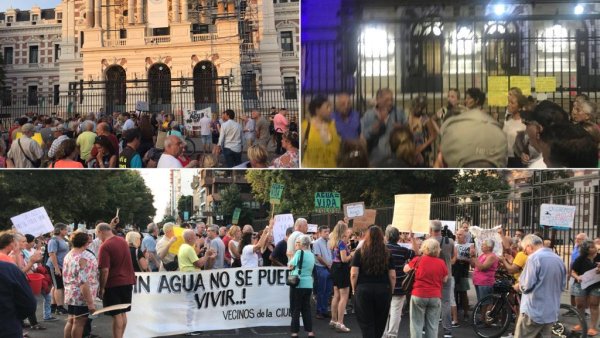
(132, 140)
(333, 265)
(462, 134)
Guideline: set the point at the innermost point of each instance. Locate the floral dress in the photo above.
(287, 160)
(74, 276)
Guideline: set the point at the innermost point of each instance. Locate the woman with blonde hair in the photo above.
(134, 239)
(340, 274)
(235, 233)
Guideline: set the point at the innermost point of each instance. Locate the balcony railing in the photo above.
(286, 54)
(116, 43)
(204, 37)
(157, 40)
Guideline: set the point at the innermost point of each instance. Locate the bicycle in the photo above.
(493, 314)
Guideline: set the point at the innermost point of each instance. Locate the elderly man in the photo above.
(174, 147)
(230, 139)
(188, 258)
(162, 248)
(85, 140)
(247, 229)
(262, 129)
(222, 232)
(25, 152)
(541, 283)
(216, 244)
(347, 121)
(117, 276)
(300, 228)
(201, 229)
(58, 133)
(149, 247)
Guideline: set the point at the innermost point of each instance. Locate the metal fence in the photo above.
(429, 55)
(171, 96)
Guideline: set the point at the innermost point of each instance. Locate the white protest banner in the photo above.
(556, 215)
(35, 222)
(170, 303)
(312, 228)
(411, 213)
(481, 235)
(282, 222)
(191, 118)
(158, 14)
(589, 278)
(353, 210)
(450, 224)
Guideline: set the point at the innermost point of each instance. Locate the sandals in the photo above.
(592, 332)
(341, 328)
(333, 324)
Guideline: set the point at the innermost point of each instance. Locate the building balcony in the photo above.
(116, 43)
(288, 55)
(204, 37)
(157, 40)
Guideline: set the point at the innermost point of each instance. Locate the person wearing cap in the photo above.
(129, 158)
(472, 139)
(25, 152)
(85, 140)
(542, 117)
(58, 133)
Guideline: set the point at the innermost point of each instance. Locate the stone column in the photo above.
(184, 11)
(140, 12)
(89, 14)
(98, 14)
(130, 12)
(176, 11)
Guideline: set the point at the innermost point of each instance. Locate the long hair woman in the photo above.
(373, 280)
(320, 140)
(340, 274)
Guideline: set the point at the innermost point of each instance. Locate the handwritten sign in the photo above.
(364, 221)
(142, 106)
(498, 84)
(328, 201)
(276, 193)
(450, 224)
(545, 84)
(313, 228)
(521, 82)
(353, 210)
(35, 222)
(236, 215)
(178, 232)
(411, 213)
(555, 215)
(497, 99)
(481, 235)
(282, 222)
(589, 278)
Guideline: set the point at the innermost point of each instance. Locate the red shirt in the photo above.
(429, 276)
(113, 140)
(115, 255)
(6, 258)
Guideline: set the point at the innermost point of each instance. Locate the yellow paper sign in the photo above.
(411, 213)
(497, 99)
(177, 231)
(521, 82)
(498, 84)
(545, 84)
(37, 137)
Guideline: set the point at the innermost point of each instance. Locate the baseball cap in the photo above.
(59, 127)
(546, 113)
(471, 138)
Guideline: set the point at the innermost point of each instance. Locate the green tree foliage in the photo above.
(487, 183)
(374, 187)
(184, 204)
(76, 196)
(231, 199)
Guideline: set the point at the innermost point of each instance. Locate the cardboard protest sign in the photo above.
(208, 300)
(555, 215)
(353, 210)
(411, 213)
(177, 231)
(276, 193)
(282, 222)
(236, 216)
(483, 234)
(313, 228)
(330, 201)
(34, 222)
(363, 222)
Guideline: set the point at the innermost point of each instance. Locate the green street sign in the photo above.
(328, 201)
(236, 216)
(276, 192)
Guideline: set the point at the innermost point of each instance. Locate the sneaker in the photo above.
(455, 324)
(447, 334)
(51, 319)
(194, 333)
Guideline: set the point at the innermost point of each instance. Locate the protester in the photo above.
(302, 264)
(216, 244)
(323, 256)
(347, 120)
(485, 267)
(425, 302)
(116, 276)
(281, 125)
(230, 140)
(266, 250)
(320, 140)
(400, 256)
(66, 156)
(139, 261)
(290, 159)
(106, 156)
(149, 248)
(59, 136)
(250, 246)
(568, 146)
(404, 150)
(257, 158)
(279, 256)
(373, 278)
(25, 152)
(300, 228)
(460, 273)
(422, 128)
(188, 258)
(85, 140)
(17, 302)
(249, 130)
(80, 273)
(57, 250)
(514, 125)
(340, 274)
(236, 236)
(129, 157)
(173, 149)
(541, 283)
(589, 297)
(162, 248)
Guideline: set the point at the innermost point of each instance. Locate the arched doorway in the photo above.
(116, 89)
(159, 87)
(205, 90)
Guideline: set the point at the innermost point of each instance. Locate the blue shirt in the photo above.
(320, 248)
(308, 263)
(380, 149)
(542, 283)
(574, 254)
(348, 129)
(149, 244)
(136, 161)
(60, 247)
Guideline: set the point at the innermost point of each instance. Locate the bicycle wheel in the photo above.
(491, 316)
(568, 318)
(190, 147)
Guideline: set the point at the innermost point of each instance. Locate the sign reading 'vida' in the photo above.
(328, 201)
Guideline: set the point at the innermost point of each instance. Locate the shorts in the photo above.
(462, 284)
(57, 281)
(77, 310)
(483, 291)
(117, 295)
(340, 274)
(206, 139)
(577, 291)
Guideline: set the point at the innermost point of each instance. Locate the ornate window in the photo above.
(205, 77)
(159, 83)
(501, 43)
(424, 72)
(115, 87)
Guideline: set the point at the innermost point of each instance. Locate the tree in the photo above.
(481, 186)
(231, 199)
(185, 204)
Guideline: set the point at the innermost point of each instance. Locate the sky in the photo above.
(158, 182)
(27, 4)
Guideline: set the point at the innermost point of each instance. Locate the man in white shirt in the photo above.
(300, 228)
(230, 140)
(173, 149)
(205, 133)
(128, 124)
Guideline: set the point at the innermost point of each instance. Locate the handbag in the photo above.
(409, 279)
(294, 280)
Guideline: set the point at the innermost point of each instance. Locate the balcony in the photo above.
(157, 40)
(288, 55)
(204, 37)
(116, 43)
